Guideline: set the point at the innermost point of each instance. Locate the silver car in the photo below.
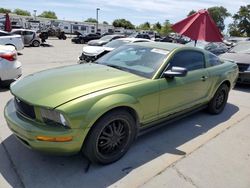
(30, 37)
(10, 68)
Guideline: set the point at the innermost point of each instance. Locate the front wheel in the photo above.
(36, 43)
(110, 137)
(218, 102)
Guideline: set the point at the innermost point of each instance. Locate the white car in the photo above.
(91, 53)
(11, 40)
(10, 68)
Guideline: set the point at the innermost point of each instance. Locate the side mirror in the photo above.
(176, 72)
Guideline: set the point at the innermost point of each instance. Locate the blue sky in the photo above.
(137, 11)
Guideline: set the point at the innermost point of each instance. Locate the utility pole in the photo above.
(97, 19)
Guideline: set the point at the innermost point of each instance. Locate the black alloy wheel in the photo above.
(218, 102)
(110, 138)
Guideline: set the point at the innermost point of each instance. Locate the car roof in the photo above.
(22, 30)
(132, 39)
(160, 45)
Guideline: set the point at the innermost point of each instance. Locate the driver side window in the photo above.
(191, 60)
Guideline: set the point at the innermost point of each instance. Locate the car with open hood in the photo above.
(92, 53)
(100, 108)
(240, 54)
(104, 40)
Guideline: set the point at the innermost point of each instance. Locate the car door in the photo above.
(28, 37)
(179, 93)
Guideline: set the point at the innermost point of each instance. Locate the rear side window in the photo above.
(213, 60)
(191, 60)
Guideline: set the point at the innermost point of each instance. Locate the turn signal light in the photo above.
(54, 139)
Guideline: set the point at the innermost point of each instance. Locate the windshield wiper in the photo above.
(115, 66)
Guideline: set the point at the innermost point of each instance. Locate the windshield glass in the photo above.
(139, 60)
(116, 43)
(243, 47)
(107, 37)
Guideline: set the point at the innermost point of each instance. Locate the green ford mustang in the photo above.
(99, 108)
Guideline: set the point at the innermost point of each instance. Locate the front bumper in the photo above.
(26, 130)
(244, 77)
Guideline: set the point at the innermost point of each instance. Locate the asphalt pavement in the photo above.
(201, 150)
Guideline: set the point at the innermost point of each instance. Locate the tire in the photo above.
(64, 37)
(36, 43)
(110, 137)
(82, 41)
(219, 100)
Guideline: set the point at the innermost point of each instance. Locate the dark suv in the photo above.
(81, 39)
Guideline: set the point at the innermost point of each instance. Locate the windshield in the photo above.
(241, 48)
(107, 37)
(139, 60)
(116, 43)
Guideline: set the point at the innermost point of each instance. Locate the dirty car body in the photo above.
(101, 107)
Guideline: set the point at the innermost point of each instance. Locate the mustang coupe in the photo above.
(100, 108)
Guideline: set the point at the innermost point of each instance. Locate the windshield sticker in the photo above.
(159, 51)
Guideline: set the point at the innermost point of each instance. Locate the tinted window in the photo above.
(75, 27)
(213, 60)
(191, 60)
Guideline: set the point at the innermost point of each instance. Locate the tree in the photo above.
(21, 12)
(144, 26)
(219, 14)
(48, 14)
(191, 12)
(157, 27)
(241, 24)
(91, 20)
(123, 23)
(166, 28)
(4, 10)
(104, 22)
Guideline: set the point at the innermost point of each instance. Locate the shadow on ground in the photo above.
(39, 170)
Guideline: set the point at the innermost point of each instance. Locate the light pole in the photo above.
(35, 14)
(97, 18)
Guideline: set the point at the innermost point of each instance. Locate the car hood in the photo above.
(97, 42)
(237, 57)
(95, 50)
(53, 87)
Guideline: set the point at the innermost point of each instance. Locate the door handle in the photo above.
(204, 78)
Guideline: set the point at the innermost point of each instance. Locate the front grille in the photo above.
(87, 58)
(25, 109)
(242, 67)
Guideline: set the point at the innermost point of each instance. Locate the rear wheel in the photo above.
(36, 43)
(218, 102)
(110, 137)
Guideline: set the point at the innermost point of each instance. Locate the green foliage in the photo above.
(166, 28)
(123, 23)
(4, 10)
(191, 12)
(144, 26)
(241, 25)
(219, 14)
(21, 12)
(91, 20)
(157, 27)
(104, 22)
(48, 14)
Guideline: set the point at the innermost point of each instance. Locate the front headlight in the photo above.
(53, 117)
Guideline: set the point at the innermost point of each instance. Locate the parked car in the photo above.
(101, 107)
(140, 35)
(81, 39)
(30, 37)
(92, 53)
(240, 54)
(216, 48)
(167, 39)
(10, 67)
(11, 40)
(104, 40)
